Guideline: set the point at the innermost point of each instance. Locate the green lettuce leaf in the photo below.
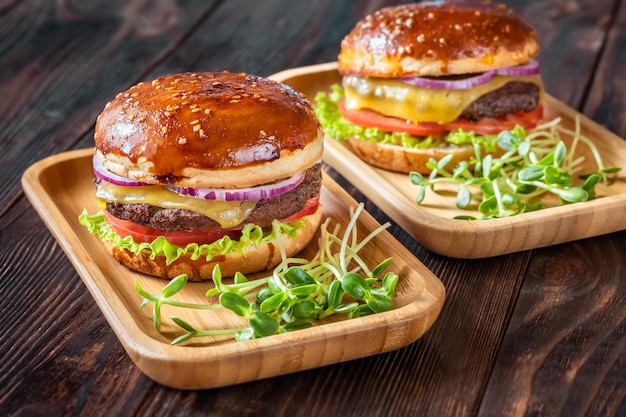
(338, 128)
(250, 235)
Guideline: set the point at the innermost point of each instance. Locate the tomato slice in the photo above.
(486, 126)
(309, 208)
(141, 234)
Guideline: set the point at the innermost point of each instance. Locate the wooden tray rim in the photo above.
(425, 225)
(146, 352)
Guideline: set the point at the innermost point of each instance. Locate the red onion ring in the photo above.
(241, 194)
(530, 67)
(450, 84)
(104, 174)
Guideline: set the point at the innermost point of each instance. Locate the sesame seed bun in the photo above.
(206, 130)
(194, 130)
(420, 39)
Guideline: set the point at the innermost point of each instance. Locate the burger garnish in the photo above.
(192, 170)
(421, 81)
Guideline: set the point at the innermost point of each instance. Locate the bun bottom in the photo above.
(399, 159)
(252, 259)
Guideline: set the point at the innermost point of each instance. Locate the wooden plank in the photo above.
(606, 100)
(564, 352)
(61, 355)
(61, 63)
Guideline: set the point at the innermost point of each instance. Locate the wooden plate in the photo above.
(432, 223)
(61, 186)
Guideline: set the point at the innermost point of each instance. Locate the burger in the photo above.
(196, 170)
(424, 80)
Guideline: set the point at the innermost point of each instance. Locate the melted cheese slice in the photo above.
(226, 213)
(419, 104)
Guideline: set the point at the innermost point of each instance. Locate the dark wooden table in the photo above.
(538, 333)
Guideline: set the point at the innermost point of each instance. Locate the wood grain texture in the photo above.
(607, 97)
(571, 316)
(62, 61)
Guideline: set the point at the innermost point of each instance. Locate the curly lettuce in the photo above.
(250, 235)
(335, 126)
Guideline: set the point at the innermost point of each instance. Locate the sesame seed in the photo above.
(262, 133)
(236, 97)
(182, 140)
(175, 95)
(142, 119)
(193, 106)
(164, 129)
(196, 128)
(167, 113)
(194, 122)
(132, 117)
(202, 135)
(215, 83)
(234, 101)
(264, 100)
(196, 110)
(207, 111)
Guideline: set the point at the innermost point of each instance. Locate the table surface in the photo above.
(537, 333)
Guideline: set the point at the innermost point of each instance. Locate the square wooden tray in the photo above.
(61, 186)
(432, 223)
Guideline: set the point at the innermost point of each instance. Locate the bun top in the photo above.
(423, 39)
(208, 130)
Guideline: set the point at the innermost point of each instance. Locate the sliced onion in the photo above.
(530, 67)
(452, 82)
(104, 174)
(242, 194)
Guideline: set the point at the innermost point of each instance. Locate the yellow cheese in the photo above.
(419, 104)
(226, 213)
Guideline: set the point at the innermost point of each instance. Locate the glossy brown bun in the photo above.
(253, 259)
(195, 130)
(425, 40)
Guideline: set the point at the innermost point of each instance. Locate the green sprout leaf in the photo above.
(512, 181)
(296, 294)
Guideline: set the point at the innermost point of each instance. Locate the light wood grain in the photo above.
(432, 223)
(60, 187)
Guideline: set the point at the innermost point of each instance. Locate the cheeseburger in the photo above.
(198, 170)
(423, 80)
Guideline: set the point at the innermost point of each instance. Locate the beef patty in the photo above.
(171, 219)
(511, 98)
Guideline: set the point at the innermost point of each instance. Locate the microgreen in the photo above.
(298, 291)
(529, 165)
